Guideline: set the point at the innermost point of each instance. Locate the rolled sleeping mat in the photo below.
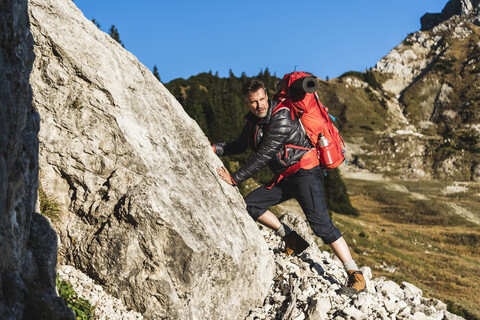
(310, 84)
(300, 87)
(304, 85)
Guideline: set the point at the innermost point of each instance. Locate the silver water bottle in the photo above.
(323, 141)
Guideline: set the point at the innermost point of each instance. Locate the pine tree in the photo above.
(155, 73)
(266, 73)
(95, 22)
(113, 32)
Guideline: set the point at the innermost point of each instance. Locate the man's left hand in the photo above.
(225, 175)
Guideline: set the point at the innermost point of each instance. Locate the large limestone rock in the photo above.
(143, 212)
(28, 243)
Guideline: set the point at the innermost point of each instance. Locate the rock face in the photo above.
(464, 8)
(143, 212)
(27, 241)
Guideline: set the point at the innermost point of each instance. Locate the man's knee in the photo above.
(257, 203)
(331, 237)
(255, 212)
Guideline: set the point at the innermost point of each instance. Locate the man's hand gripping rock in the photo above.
(225, 175)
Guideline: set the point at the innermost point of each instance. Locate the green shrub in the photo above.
(476, 70)
(48, 206)
(76, 105)
(459, 311)
(370, 78)
(444, 65)
(82, 308)
(336, 194)
(407, 41)
(466, 140)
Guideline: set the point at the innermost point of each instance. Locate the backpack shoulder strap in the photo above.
(284, 105)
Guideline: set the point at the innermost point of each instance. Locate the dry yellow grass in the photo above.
(429, 245)
(410, 226)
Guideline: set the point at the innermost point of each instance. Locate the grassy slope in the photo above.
(409, 225)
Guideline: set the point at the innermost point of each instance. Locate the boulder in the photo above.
(143, 211)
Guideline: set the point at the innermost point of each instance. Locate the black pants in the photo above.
(306, 187)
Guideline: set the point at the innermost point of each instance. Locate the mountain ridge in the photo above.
(467, 9)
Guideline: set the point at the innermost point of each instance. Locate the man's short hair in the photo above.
(252, 86)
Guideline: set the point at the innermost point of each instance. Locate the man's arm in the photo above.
(272, 143)
(236, 147)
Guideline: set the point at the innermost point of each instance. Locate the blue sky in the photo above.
(327, 38)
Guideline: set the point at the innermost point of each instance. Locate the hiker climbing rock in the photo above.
(278, 138)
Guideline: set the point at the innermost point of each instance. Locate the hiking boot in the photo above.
(295, 243)
(355, 284)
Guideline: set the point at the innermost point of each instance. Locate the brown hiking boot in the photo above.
(295, 243)
(355, 284)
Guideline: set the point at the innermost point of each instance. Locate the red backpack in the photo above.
(297, 91)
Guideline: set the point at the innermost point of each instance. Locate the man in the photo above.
(280, 142)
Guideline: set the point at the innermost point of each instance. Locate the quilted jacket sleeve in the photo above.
(280, 126)
(235, 147)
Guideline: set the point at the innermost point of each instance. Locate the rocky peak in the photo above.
(469, 9)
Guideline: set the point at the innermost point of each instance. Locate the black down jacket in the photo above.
(278, 141)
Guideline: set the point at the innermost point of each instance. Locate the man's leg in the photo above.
(258, 202)
(270, 220)
(306, 186)
(340, 248)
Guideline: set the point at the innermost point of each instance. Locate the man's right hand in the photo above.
(225, 175)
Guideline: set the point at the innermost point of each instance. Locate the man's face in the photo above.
(257, 102)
